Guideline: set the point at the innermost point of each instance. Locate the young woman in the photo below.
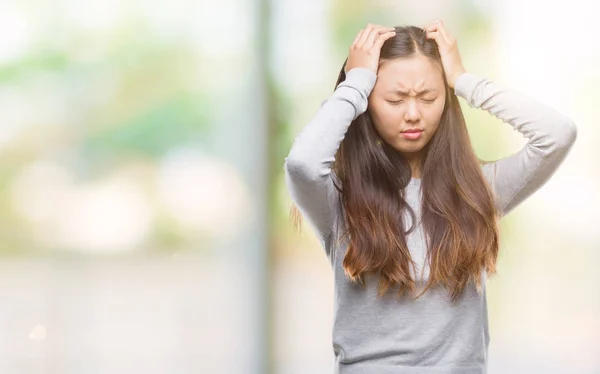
(405, 211)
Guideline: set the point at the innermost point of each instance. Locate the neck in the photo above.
(414, 161)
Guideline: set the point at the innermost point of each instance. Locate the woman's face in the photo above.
(409, 94)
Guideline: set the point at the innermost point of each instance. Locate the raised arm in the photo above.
(550, 136)
(308, 165)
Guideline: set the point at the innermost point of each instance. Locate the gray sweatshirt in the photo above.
(374, 335)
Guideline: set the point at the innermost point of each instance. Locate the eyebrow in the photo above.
(403, 92)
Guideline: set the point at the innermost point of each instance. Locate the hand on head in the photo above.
(448, 48)
(366, 47)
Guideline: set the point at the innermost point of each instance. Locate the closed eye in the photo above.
(400, 101)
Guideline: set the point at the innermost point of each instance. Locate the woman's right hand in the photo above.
(365, 50)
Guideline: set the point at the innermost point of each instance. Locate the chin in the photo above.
(409, 148)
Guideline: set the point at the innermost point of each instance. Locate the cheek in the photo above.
(433, 115)
(387, 114)
(386, 119)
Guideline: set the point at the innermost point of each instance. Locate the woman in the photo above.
(386, 175)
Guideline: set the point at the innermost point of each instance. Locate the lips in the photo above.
(413, 130)
(412, 134)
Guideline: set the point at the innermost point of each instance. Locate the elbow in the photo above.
(291, 166)
(300, 170)
(572, 132)
(563, 138)
(295, 168)
(569, 134)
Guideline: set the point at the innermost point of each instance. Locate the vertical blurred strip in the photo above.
(263, 183)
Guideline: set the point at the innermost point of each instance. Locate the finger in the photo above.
(365, 34)
(430, 31)
(382, 38)
(437, 37)
(434, 32)
(431, 34)
(431, 25)
(375, 34)
(444, 33)
(358, 36)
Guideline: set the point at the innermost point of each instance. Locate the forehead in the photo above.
(416, 73)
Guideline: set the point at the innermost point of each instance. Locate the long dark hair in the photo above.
(459, 217)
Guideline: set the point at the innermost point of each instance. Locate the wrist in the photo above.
(455, 77)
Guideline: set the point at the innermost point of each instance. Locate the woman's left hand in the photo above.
(448, 48)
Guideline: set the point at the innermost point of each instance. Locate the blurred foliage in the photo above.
(152, 132)
(131, 97)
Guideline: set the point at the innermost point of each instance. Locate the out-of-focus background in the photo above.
(143, 211)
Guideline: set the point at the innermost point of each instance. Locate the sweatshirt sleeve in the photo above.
(308, 165)
(550, 137)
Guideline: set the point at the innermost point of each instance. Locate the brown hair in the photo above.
(459, 218)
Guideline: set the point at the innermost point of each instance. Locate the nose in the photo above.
(412, 113)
